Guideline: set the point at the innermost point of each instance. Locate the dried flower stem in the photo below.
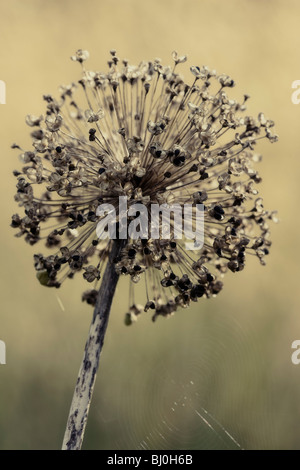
(87, 374)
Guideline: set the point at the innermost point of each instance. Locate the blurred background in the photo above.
(218, 375)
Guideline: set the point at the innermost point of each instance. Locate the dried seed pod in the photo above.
(155, 140)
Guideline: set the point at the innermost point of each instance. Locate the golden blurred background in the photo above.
(224, 365)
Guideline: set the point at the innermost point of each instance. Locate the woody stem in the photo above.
(83, 392)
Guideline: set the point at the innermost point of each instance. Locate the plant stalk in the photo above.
(83, 392)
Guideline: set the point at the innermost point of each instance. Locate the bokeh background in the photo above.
(222, 368)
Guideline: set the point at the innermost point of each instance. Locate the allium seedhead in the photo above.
(143, 133)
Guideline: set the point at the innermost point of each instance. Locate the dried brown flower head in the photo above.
(142, 132)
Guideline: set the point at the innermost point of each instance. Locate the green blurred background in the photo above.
(224, 365)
